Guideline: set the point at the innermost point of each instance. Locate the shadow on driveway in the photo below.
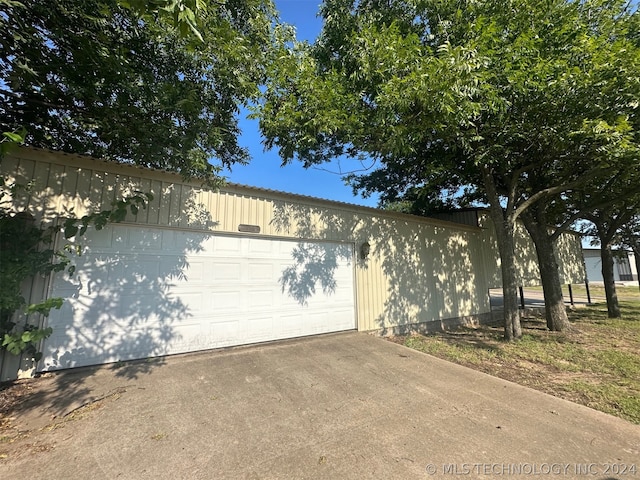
(334, 406)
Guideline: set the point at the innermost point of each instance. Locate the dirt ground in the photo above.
(15, 438)
(22, 418)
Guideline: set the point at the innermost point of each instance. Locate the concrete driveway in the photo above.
(345, 406)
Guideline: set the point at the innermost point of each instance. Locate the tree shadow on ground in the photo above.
(469, 336)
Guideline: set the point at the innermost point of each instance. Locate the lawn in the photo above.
(596, 363)
(626, 293)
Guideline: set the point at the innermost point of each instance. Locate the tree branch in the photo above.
(40, 102)
(585, 212)
(555, 190)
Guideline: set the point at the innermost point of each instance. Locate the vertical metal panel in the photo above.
(143, 214)
(465, 217)
(69, 182)
(416, 271)
(221, 209)
(227, 213)
(570, 258)
(98, 188)
(180, 207)
(23, 175)
(108, 194)
(164, 214)
(40, 190)
(83, 184)
(154, 205)
(568, 253)
(10, 165)
(136, 185)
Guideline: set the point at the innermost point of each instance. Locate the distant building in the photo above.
(624, 268)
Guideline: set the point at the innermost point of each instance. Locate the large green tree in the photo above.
(444, 94)
(155, 83)
(614, 224)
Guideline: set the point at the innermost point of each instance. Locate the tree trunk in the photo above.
(512, 327)
(504, 227)
(606, 255)
(636, 255)
(554, 308)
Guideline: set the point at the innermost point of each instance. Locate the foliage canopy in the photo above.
(121, 81)
(520, 101)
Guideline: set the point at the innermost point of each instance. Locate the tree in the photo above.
(449, 94)
(609, 226)
(537, 223)
(96, 78)
(152, 83)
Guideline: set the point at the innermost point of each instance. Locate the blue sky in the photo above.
(264, 170)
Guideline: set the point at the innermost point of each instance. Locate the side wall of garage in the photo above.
(568, 255)
(416, 271)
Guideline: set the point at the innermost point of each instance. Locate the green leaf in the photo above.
(70, 231)
(14, 137)
(125, 95)
(45, 306)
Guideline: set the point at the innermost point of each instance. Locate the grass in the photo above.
(596, 363)
(625, 292)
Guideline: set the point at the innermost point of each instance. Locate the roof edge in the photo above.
(35, 154)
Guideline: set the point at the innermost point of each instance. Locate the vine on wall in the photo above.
(28, 250)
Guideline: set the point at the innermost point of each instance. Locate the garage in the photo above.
(145, 292)
(198, 268)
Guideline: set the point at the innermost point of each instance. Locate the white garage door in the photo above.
(141, 293)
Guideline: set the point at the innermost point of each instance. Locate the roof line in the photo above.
(230, 186)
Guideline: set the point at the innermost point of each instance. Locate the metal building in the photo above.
(201, 269)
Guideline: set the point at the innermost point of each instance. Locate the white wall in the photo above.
(593, 264)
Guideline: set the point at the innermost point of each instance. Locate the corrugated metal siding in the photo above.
(568, 253)
(467, 217)
(418, 270)
(570, 259)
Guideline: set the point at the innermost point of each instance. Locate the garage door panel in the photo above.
(259, 328)
(289, 325)
(260, 273)
(141, 293)
(229, 246)
(224, 271)
(224, 332)
(188, 339)
(144, 240)
(119, 238)
(193, 302)
(170, 241)
(260, 300)
(260, 248)
(104, 241)
(224, 301)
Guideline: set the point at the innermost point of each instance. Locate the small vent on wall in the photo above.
(249, 228)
